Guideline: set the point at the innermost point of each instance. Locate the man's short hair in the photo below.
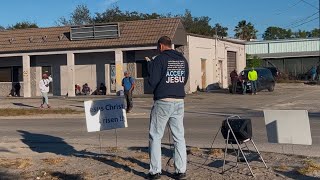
(165, 40)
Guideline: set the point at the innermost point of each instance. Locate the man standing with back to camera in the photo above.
(168, 74)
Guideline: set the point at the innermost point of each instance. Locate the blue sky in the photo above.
(262, 13)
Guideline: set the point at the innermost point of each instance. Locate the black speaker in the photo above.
(242, 129)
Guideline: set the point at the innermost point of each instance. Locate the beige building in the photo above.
(96, 54)
(211, 61)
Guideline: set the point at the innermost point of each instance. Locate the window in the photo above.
(5, 74)
(142, 69)
(11, 74)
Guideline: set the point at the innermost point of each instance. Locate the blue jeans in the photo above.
(244, 87)
(164, 112)
(45, 99)
(254, 87)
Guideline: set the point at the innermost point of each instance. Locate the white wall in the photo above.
(205, 48)
(92, 68)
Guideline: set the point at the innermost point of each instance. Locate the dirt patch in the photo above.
(15, 163)
(54, 161)
(134, 164)
(310, 168)
(27, 112)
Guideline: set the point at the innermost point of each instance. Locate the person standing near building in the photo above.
(17, 88)
(313, 72)
(44, 89)
(253, 77)
(128, 86)
(234, 80)
(243, 80)
(318, 72)
(168, 74)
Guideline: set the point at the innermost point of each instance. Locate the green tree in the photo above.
(2, 28)
(315, 33)
(23, 25)
(273, 33)
(80, 16)
(220, 30)
(198, 25)
(201, 25)
(245, 31)
(302, 34)
(253, 61)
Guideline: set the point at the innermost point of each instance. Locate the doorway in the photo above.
(48, 70)
(112, 79)
(204, 73)
(220, 74)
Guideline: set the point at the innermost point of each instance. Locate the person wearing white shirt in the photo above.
(44, 89)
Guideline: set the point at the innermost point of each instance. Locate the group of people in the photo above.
(86, 90)
(252, 77)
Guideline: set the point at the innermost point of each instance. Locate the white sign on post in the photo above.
(288, 126)
(105, 114)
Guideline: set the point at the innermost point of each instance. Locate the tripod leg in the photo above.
(225, 151)
(238, 158)
(259, 153)
(235, 138)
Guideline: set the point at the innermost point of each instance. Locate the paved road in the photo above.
(204, 114)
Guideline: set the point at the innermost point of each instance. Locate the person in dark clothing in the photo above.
(318, 72)
(234, 81)
(86, 90)
(168, 74)
(128, 86)
(243, 79)
(102, 89)
(17, 88)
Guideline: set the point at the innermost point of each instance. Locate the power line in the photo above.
(301, 20)
(306, 22)
(310, 4)
(289, 8)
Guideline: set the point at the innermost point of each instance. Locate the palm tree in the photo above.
(245, 31)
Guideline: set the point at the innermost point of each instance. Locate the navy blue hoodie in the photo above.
(168, 74)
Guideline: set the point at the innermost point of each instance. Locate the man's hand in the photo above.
(147, 58)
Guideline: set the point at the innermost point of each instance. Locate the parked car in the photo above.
(274, 71)
(265, 81)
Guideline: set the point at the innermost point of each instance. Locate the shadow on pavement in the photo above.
(295, 175)
(7, 176)
(23, 105)
(42, 143)
(165, 151)
(64, 176)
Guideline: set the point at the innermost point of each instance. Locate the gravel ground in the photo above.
(132, 163)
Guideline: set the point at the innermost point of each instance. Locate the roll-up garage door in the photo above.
(231, 62)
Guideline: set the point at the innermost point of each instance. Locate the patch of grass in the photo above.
(15, 163)
(54, 161)
(193, 150)
(28, 112)
(142, 156)
(309, 168)
(123, 162)
(112, 149)
(216, 153)
(282, 167)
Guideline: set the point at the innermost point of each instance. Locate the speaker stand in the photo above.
(238, 149)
